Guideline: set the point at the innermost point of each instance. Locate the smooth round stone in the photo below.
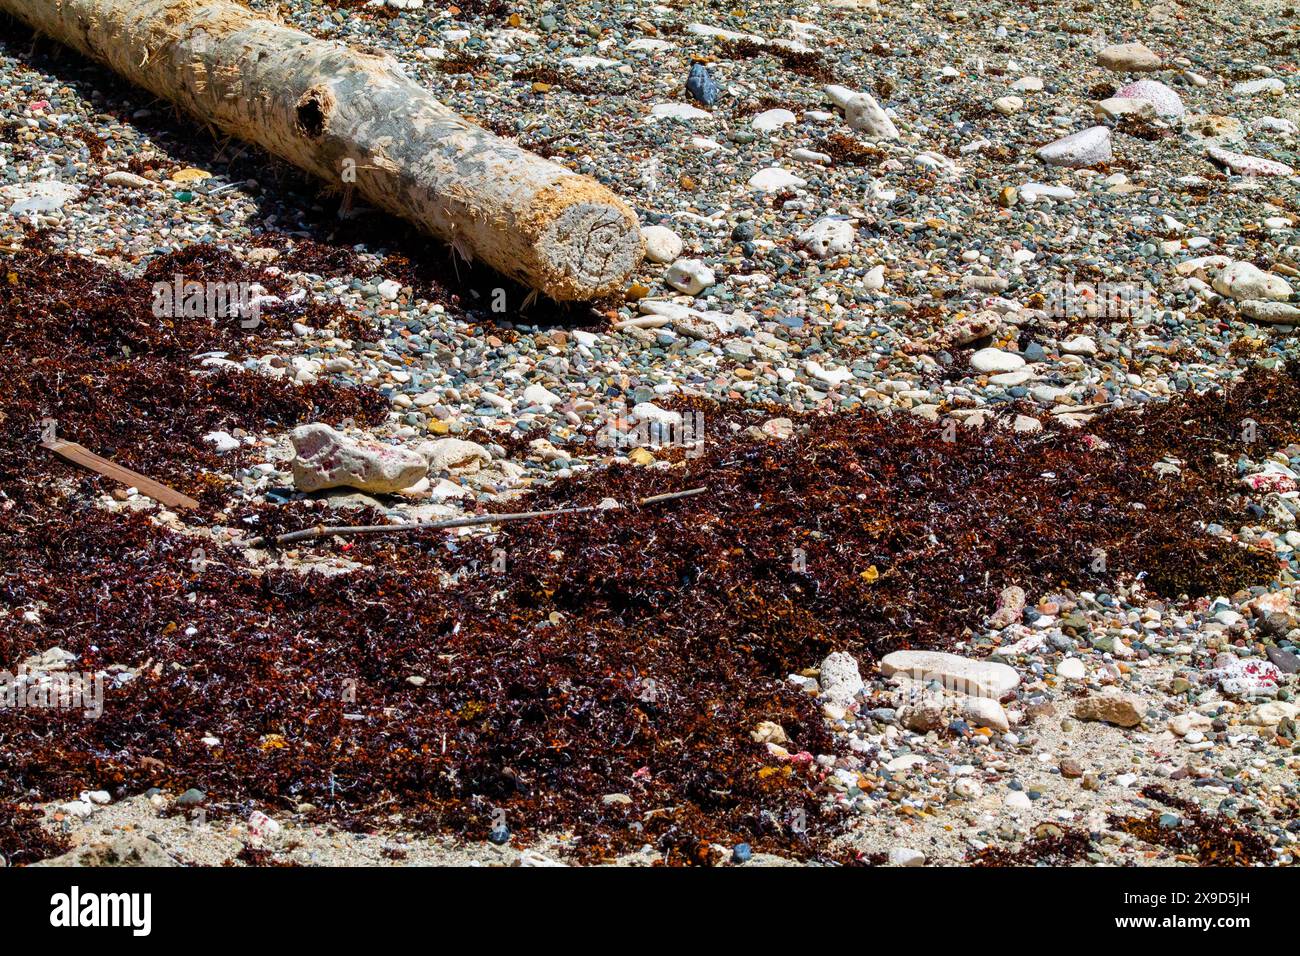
(992, 361)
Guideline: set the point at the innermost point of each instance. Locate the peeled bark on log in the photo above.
(331, 110)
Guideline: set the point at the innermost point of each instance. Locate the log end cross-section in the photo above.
(587, 240)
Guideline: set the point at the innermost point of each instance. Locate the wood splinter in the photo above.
(80, 455)
(344, 531)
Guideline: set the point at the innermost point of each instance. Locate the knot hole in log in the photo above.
(313, 112)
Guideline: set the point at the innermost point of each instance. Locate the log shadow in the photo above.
(292, 203)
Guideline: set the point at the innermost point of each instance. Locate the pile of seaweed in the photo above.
(1214, 839)
(597, 674)
(84, 356)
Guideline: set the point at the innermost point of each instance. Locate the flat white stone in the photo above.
(770, 120)
(583, 64)
(1032, 192)
(649, 45)
(679, 111)
(828, 236)
(992, 360)
(1244, 165)
(961, 675)
(1163, 98)
(1243, 280)
(1268, 86)
(37, 197)
(540, 395)
(1071, 669)
(1085, 148)
(774, 179)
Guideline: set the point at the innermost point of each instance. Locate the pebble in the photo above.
(1128, 58)
(1122, 710)
(840, 678)
(770, 120)
(700, 85)
(661, 244)
(991, 360)
(775, 179)
(1164, 99)
(828, 236)
(1243, 280)
(690, 276)
(1085, 148)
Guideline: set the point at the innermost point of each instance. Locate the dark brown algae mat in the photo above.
(628, 651)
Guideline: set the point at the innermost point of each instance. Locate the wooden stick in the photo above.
(356, 120)
(79, 455)
(345, 531)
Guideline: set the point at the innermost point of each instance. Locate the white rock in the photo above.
(904, 763)
(38, 197)
(1085, 148)
(389, 290)
(1032, 192)
(874, 280)
(326, 458)
(540, 395)
(769, 120)
(810, 156)
(690, 276)
(992, 360)
(1242, 280)
(678, 111)
(906, 856)
(1243, 165)
(583, 64)
(1276, 313)
(650, 412)
(774, 179)
(1028, 84)
(840, 678)
(1017, 800)
(662, 245)
(649, 45)
(962, 675)
(1184, 724)
(78, 808)
(1007, 105)
(222, 442)
(828, 376)
(1268, 86)
(862, 113)
(828, 236)
(985, 712)
(122, 179)
(454, 455)
(1162, 98)
(1071, 669)
(1117, 106)
(1079, 345)
(1274, 124)
(1270, 713)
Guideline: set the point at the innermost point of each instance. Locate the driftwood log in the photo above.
(336, 111)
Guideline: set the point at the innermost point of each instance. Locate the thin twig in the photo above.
(344, 531)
